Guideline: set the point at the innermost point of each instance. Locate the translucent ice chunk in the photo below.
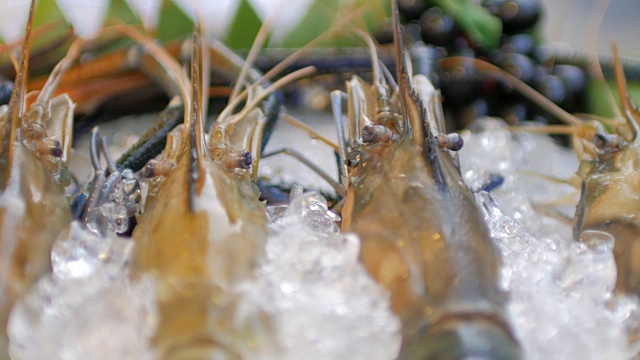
(87, 308)
(560, 292)
(313, 209)
(81, 252)
(322, 302)
(275, 212)
(94, 317)
(522, 160)
(113, 218)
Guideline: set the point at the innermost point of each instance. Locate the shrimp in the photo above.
(203, 228)
(422, 236)
(606, 178)
(33, 207)
(609, 199)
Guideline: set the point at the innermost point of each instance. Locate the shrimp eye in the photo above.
(376, 134)
(157, 168)
(606, 141)
(453, 141)
(353, 159)
(49, 147)
(244, 160)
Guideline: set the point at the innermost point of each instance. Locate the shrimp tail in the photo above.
(16, 104)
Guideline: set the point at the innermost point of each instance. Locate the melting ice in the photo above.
(561, 301)
(87, 308)
(323, 302)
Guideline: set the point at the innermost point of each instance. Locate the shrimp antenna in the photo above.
(15, 111)
(387, 75)
(99, 179)
(296, 75)
(276, 70)
(43, 102)
(517, 84)
(168, 63)
(373, 53)
(593, 67)
(253, 52)
(631, 113)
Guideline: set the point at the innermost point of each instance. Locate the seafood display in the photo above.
(184, 233)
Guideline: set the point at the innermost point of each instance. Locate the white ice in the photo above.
(87, 308)
(322, 301)
(561, 301)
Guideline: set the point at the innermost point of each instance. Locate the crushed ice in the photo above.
(321, 300)
(561, 301)
(86, 308)
(324, 304)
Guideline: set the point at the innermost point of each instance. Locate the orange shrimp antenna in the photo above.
(16, 103)
(631, 113)
(280, 67)
(373, 53)
(517, 84)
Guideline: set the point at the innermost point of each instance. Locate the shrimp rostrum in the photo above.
(34, 150)
(422, 236)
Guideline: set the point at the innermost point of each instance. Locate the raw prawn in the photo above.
(423, 237)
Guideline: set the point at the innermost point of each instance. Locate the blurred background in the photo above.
(572, 22)
(236, 21)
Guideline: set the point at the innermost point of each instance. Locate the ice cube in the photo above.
(323, 303)
(94, 317)
(559, 292)
(81, 252)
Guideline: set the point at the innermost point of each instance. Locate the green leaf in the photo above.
(244, 28)
(317, 20)
(118, 9)
(483, 28)
(598, 98)
(46, 11)
(173, 23)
